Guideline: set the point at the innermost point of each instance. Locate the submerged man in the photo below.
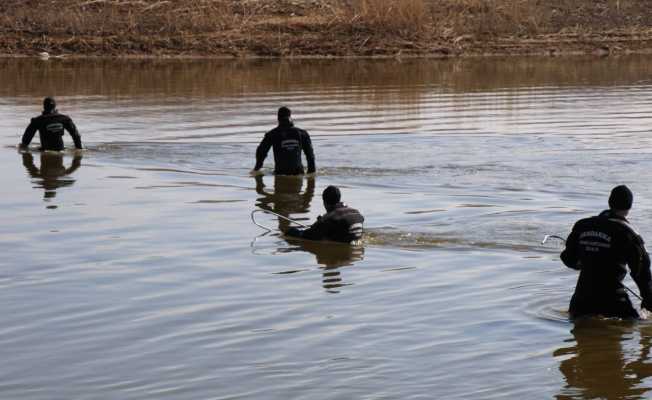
(288, 142)
(50, 125)
(599, 247)
(340, 223)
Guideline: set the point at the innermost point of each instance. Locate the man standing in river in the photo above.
(50, 125)
(600, 247)
(288, 142)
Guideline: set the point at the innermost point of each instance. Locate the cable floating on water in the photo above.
(253, 219)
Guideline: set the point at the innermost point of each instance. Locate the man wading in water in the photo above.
(50, 125)
(599, 247)
(340, 223)
(288, 142)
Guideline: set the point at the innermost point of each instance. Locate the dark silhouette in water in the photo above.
(340, 223)
(286, 199)
(288, 142)
(52, 173)
(600, 248)
(602, 364)
(50, 126)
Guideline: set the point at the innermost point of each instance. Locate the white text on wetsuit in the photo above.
(588, 240)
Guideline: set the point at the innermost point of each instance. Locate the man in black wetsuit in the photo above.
(50, 125)
(599, 247)
(288, 142)
(340, 223)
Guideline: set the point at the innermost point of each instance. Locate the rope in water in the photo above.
(253, 219)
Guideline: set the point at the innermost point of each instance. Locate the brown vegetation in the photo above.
(324, 27)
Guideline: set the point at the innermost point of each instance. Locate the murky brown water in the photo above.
(134, 271)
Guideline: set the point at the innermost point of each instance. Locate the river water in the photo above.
(134, 271)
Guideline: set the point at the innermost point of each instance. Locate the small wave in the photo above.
(423, 240)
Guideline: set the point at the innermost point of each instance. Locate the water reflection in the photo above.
(116, 78)
(286, 198)
(331, 257)
(52, 173)
(606, 361)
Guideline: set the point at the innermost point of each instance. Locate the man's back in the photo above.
(287, 142)
(342, 224)
(51, 126)
(601, 247)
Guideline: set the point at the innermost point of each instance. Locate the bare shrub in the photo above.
(408, 17)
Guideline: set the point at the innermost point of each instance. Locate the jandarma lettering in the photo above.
(595, 244)
(597, 234)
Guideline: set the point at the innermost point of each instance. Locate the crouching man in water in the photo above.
(340, 223)
(50, 126)
(599, 247)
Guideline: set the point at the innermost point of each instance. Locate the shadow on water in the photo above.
(606, 359)
(52, 174)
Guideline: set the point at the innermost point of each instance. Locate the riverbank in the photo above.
(324, 28)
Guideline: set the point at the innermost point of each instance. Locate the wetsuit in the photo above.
(599, 247)
(288, 141)
(342, 224)
(50, 126)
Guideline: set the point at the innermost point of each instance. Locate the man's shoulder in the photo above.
(274, 132)
(38, 118)
(607, 222)
(301, 131)
(63, 117)
(347, 212)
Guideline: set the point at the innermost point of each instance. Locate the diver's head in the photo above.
(49, 104)
(284, 115)
(621, 199)
(331, 197)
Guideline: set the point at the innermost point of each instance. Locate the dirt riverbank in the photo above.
(324, 28)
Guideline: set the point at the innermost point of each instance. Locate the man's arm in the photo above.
(72, 130)
(76, 163)
(306, 144)
(569, 255)
(639, 269)
(309, 193)
(29, 134)
(317, 231)
(262, 150)
(28, 163)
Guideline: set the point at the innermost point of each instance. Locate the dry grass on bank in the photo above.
(304, 27)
